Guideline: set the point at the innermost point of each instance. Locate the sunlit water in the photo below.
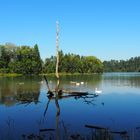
(23, 102)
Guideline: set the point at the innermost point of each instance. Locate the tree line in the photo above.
(130, 65)
(20, 59)
(26, 60)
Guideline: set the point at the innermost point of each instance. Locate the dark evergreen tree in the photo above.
(130, 65)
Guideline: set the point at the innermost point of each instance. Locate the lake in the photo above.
(28, 112)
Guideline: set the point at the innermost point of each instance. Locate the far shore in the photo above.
(47, 74)
(52, 74)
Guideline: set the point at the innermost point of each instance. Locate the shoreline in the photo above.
(53, 74)
(47, 74)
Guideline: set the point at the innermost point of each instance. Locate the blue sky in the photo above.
(107, 29)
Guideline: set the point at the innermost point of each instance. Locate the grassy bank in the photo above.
(47, 74)
(63, 74)
(9, 74)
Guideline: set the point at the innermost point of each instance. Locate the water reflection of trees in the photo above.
(19, 90)
(29, 92)
(123, 80)
(91, 81)
(64, 134)
(60, 132)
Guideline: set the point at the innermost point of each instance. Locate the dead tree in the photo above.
(57, 49)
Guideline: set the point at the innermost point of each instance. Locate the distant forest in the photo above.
(130, 65)
(27, 60)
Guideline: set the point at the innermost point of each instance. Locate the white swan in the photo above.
(82, 83)
(77, 84)
(97, 91)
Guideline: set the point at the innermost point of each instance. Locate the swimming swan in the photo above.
(97, 91)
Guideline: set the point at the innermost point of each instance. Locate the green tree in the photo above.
(72, 63)
(130, 65)
(23, 60)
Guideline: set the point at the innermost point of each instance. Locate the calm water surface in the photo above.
(25, 108)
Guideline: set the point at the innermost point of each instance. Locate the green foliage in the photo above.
(23, 60)
(131, 65)
(26, 60)
(71, 63)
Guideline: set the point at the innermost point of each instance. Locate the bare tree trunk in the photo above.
(57, 86)
(57, 49)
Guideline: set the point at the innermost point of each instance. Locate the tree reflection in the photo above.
(59, 94)
(97, 133)
(18, 91)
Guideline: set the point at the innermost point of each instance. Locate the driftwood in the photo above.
(119, 132)
(123, 134)
(75, 92)
(46, 129)
(87, 97)
(60, 91)
(114, 132)
(95, 127)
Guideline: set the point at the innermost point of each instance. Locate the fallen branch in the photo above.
(45, 129)
(95, 127)
(119, 132)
